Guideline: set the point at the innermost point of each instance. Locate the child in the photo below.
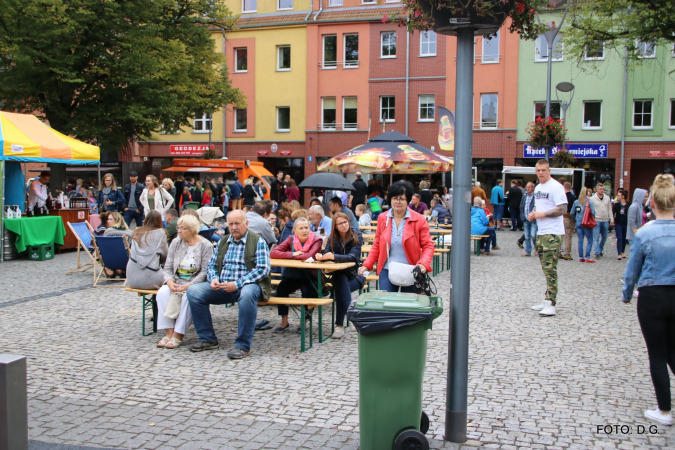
(184, 197)
(375, 205)
(364, 217)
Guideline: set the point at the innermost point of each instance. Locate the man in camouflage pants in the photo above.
(550, 204)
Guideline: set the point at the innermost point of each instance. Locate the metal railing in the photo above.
(335, 64)
(485, 125)
(337, 126)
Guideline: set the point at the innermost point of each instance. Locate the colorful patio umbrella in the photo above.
(391, 152)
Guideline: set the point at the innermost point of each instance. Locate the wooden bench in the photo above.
(305, 305)
(149, 302)
(476, 238)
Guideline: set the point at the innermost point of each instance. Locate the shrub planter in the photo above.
(448, 20)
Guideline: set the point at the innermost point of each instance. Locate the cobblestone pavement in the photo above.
(534, 382)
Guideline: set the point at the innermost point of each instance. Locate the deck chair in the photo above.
(83, 235)
(208, 233)
(112, 253)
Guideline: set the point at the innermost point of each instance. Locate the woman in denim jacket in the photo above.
(652, 268)
(577, 213)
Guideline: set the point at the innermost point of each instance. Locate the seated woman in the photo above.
(115, 225)
(147, 253)
(303, 245)
(479, 226)
(100, 230)
(186, 263)
(344, 245)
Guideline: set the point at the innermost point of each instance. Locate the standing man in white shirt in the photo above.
(38, 194)
(603, 216)
(550, 204)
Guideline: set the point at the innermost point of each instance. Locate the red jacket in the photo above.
(417, 242)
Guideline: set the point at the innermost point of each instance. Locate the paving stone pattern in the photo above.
(534, 382)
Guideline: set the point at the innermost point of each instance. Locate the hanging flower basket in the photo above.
(563, 158)
(546, 132)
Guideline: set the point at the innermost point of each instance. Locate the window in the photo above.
(595, 52)
(284, 57)
(645, 49)
(540, 109)
(642, 114)
(490, 49)
(249, 6)
(349, 112)
(240, 119)
(368, 2)
(285, 4)
(328, 116)
(428, 43)
(488, 110)
(334, 2)
(388, 44)
(592, 116)
(388, 108)
(671, 124)
(202, 123)
(283, 118)
(330, 52)
(241, 59)
(351, 50)
(427, 108)
(541, 49)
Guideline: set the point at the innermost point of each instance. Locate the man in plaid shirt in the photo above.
(230, 281)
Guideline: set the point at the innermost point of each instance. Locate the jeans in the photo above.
(530, 235)
(656, 313)
(588, 234)
(600, 237)
(130, 214)
(498, 215)
(343, 293)
(621, 230)
(201, 295)
(290, 285)
(385, 284)
(491, 240)
(516, 223)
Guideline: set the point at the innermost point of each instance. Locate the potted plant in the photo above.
(546, 132)
(485, 16)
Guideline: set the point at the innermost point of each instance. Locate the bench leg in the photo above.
(149, 303)
(303, 330)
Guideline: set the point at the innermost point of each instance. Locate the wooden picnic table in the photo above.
(317, 265)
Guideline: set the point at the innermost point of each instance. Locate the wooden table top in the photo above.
(297, 264)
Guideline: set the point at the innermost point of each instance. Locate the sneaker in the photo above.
(237, 353)
(655, 414)
(582, 260)
(590, 260)
(201, 346)
(486, 254)
(549, 310)
(520, 244)
(525, 254)
(351, 326)
(496, 247)
(542, 305)
(339, 333)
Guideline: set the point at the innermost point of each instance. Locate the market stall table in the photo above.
(36, 231)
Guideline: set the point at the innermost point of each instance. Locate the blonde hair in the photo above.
(582, 196)
(663, 192)
(190, 222)
(248, 182)
(361, 208)
(424, 185)
(295, 205)
(113, 185)
(118, 220)
(169, 181)
(299, 214)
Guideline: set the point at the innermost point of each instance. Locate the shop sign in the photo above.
(263, 153)
(80, 215)
(189, 149)
(274, 148)
(576, 150)
(654, 153)
(285, 153)
(670, 153)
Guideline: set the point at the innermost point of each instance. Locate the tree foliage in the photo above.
(109, 71)
(618, 24)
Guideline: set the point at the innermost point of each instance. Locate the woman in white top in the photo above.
(154, 197)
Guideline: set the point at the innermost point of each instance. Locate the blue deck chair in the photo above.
(83, 235)
(208, 233)
(113, 254)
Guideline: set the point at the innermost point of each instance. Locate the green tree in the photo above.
(109, 71)
(618, 25)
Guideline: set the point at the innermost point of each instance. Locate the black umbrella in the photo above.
(326, 180)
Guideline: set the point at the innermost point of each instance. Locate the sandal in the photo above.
(174, 342)
(162, 343)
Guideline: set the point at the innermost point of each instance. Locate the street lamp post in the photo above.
(564, 87)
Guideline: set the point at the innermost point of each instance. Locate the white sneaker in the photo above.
(656, 415)
(351, 326)
(541, 306)
(338, 333)
(549, 310)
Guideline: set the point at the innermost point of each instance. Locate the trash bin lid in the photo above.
(393, 301)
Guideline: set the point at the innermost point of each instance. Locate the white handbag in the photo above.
(400, 274)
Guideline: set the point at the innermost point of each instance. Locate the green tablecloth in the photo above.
(36, 231)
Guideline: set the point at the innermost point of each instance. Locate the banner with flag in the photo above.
(446, 129)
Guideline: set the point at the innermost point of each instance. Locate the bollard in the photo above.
(13, 403)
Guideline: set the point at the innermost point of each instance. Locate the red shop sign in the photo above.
(654, 153)
(670, 153)
(285, 153)
(189, 149)
(263, 153)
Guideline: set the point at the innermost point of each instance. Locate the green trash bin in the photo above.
(392, 354)
(191, 205)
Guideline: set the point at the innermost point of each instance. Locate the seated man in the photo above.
(317, 219)
(479, 222)
(257, 222)
(171, 229)
(239, 272)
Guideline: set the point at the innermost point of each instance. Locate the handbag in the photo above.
(588, 220)
(173, 308)
(400, 274)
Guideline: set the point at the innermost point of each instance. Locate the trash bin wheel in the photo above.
(411, 440)
(424, 423)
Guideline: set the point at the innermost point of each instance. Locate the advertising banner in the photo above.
(189, 149)
(446, 130)
(576, 150)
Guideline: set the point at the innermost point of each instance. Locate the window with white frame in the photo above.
(488, 110)
(540, 110)
(283, 118)
(428, 43)
(388, 44)
(388, 108)
(595, 51)
(202, 123)
(328, 113)
(349, 118)
(427, 108)
(334, 2)
(240, 119)
(285, 4)
(241, 60)
(284, 57)
(645, 49)
(671, 123)
(541, 49)
(351, 50)
(592, 115)
(330, 51)
(490, 49)
(249, 6)
(643, 114)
